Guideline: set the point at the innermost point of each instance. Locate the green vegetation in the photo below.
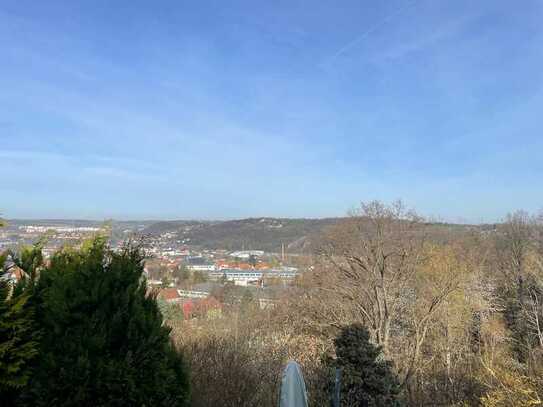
(18, 335)
(102, 338)
(367, 379)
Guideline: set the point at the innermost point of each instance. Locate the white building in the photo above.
(245, 254)
(202, 267)
(244, 277)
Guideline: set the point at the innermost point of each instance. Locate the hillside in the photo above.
(253, 233)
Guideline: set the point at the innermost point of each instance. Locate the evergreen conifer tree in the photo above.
(367, 380)
(103, 343)
(18, 335)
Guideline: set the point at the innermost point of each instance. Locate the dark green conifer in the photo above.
(367, 379)
(103, 343)
(18, 335)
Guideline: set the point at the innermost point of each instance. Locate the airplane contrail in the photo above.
(371, 30)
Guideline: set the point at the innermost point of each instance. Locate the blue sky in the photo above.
(226, 109)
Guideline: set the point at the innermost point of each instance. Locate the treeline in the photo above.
(82, 329)
(455, 313)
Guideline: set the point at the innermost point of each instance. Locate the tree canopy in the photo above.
(367, 379)
(103, 340)
(18, 334)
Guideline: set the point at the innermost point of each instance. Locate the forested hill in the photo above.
(265, 233)
(253, 233)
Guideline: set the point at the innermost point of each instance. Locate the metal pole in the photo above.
(337, 389)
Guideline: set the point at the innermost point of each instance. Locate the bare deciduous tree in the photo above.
(370, 260)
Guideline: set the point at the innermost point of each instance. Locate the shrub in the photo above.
(103, 340)
(367, 380)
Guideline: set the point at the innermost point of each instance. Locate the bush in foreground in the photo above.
(103, 342)
(18, 335)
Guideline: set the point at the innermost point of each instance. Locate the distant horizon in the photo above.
(210, 110)
(429, 219)
(439, 219)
